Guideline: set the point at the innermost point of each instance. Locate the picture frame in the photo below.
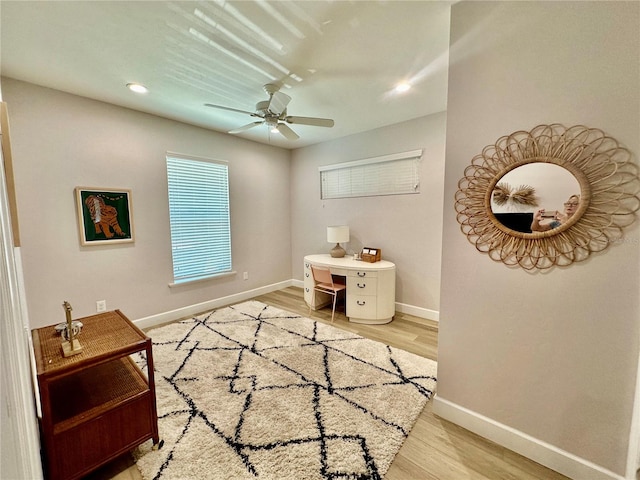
(105, 215)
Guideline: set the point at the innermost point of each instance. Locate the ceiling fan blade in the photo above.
(278, 102)
(245, 127)
(316, 122)
(230, 109)
(286, 132)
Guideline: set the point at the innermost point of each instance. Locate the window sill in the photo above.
(202, 279)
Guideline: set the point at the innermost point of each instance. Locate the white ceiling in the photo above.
(348, 56)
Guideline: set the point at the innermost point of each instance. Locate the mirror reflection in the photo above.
(535, 197)
(545, 220)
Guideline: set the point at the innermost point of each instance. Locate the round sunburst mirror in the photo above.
(548, 197)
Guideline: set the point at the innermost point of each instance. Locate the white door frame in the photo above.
(20, 434)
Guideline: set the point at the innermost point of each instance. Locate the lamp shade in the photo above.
(338, 233)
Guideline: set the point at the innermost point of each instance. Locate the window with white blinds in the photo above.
(199, 217)
(394, 174)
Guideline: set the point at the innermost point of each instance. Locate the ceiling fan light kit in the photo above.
(273, 113)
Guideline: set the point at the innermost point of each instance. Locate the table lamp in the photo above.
(337, 234)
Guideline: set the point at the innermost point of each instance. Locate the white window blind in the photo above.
(394, 174)
(199, 217)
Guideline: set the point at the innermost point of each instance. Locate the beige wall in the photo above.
(551, 355)
(61, 141)
(406, 227)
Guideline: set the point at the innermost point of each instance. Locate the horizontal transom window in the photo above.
(393, 174)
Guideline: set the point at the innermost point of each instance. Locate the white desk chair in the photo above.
(323, 282)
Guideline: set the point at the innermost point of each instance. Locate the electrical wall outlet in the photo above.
(245, 275)
(101, 306)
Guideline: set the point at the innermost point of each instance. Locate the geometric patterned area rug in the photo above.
(252, 391)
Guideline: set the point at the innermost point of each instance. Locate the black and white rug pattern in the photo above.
(252, 391)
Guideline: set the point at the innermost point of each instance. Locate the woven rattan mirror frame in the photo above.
(608, 180)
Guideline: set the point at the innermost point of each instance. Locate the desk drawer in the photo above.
(362, 286)
(339, 271)
(308, 283)
(360, 306)
(335, 271)
(363, 273)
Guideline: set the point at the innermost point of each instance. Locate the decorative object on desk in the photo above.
(337, 234)
(71, 346)
(266, 393)
(104, 216)
(371, 255)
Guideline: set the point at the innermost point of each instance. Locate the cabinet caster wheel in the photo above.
(158, 445)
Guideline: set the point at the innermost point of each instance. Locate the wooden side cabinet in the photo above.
(98, 404)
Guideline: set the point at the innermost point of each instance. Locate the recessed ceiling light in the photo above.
(136, 87)
(402, 87)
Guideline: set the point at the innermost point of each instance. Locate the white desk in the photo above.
(371, 287)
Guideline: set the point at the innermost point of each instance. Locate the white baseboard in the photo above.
(546, 454)
(166, 317)
(418, 311)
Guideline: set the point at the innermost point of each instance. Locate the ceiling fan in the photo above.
(273, 112)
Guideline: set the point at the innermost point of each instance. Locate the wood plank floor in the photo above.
(435, 449)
